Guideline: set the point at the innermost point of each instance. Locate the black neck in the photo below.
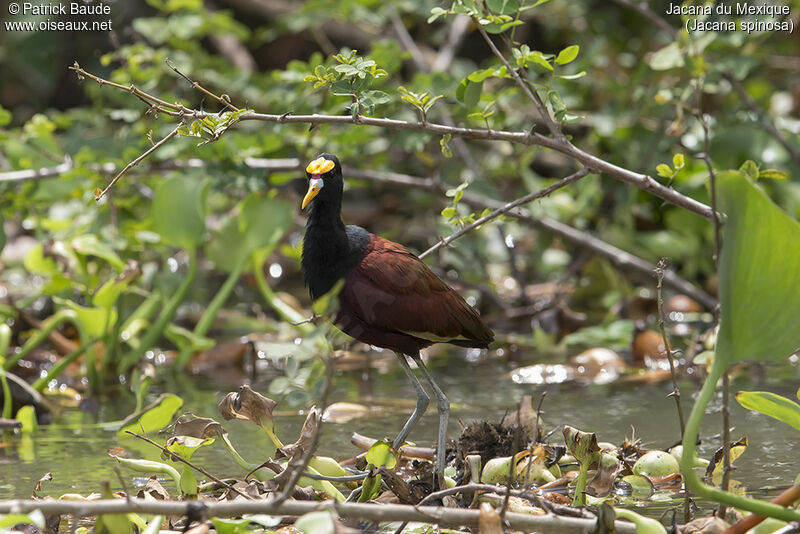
(325, 247)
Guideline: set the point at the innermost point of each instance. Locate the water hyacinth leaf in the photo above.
(249, 405)
(771, 404)
(186, 446)
(239, 526)
(27, 416)
(381, 455)
(259, 226)
(321, 522)
(94, 321)
(715, 467)
(35, 518)
(179, 211)
(89, 245)
(760, 259)
(149, 466)
(153, 417)
(189, 424)
(186, 339)
(644, 525)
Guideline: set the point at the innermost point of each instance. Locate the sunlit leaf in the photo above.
(567, 55)
(381, 455)
(153, 417)
(759, 271)
(771, 404)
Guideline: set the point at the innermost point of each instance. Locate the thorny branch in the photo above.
(642, 181)
(508, 207)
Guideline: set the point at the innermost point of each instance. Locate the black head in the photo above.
(325, 182)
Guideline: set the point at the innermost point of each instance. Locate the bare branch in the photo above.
(508, 207)
(195, 85)
(641, 181)
(445, 517)
(138, 160)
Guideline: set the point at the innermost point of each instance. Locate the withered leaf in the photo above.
(194, 426)
(306, 439)
(248, 405)
(153, 489)
(603, 482)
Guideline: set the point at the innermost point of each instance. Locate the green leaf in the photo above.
(258, 227)
(320, 522)
(89, 245)
(750, 170)
(775, 406)
(27, 416)
(448, 212)
(773, 174)
(179, 211)
(539, 63)
(185, 339)
(480, 75)
(664, 170)
(93, 321)
(154, 417)
(469, 93)
(107, 295)
(34, 518)
(567, 55)
(444, 143)
(381, 455)
(669, 57)
(678, 161)
(503, 7)
(5, 118)
(758, 275)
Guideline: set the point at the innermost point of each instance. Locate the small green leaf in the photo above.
(154, 417)
(444, 143)
(381, 455)
(773, 174)
(448, 212)
(775, 406)
(540, 64)
(678, 161)
(503, 7)
(669, 57)
(469, 93)
(749, 169)
(567, 55)
(90, 245)
(664, 170)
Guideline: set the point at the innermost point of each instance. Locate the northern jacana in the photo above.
(390, 298)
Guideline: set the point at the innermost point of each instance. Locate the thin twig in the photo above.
(197, 468)
(508, 207)
(138, 160)
(199, 87)
(532, 96)
(676, 392)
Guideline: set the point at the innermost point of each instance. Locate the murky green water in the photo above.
(74, 449)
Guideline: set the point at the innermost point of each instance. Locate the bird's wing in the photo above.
(395, 291)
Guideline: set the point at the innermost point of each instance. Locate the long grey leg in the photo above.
(422, 402)
(443, 404)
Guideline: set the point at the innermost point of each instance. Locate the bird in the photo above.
(389, 298)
